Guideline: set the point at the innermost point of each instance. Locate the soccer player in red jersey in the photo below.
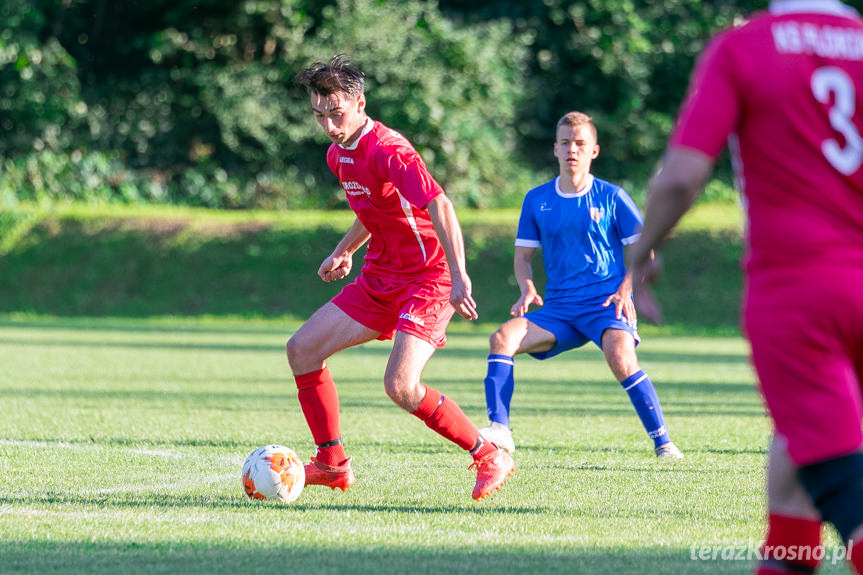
(785, 89)
(412, 282)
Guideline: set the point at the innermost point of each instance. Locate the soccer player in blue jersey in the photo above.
(582, 224)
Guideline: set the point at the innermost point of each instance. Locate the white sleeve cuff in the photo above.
(521, 243)
(631, 239)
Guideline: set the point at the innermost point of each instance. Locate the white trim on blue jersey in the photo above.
(586, 188)
(631, 239)
(527, 243)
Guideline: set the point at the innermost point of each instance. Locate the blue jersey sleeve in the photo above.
(528, 231)
(627, 218)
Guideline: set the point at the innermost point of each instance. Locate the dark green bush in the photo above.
(192, 101)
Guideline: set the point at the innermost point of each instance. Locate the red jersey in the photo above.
(388, 186)
(785, 90)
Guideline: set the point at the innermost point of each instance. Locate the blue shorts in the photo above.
(573, 325)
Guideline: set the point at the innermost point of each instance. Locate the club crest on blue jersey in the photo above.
(596, 214)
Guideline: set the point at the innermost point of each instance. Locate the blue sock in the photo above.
(644, 399)
(499, 385)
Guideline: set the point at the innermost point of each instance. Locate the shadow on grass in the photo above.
(230, 325)
(173, 345)
(433, 447)
(339, 557)
(237, 329)
(169, 501)
(205, 398)
(155, 501)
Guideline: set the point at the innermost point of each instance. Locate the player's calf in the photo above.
(836, 488)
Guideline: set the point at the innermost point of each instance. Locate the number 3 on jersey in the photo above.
(831, 80)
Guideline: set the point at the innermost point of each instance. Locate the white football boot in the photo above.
(500, 435)
(668, 450)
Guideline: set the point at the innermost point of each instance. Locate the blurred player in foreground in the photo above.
(412, 282)
(786, 91)
(582, 224)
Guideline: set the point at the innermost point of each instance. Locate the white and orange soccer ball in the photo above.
(274, 472)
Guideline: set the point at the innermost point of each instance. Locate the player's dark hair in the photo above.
(337, 75)
(576, 119)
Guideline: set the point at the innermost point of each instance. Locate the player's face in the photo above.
(341, 116)
(575, 148)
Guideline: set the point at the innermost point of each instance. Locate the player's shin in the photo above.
(499, 386)
(446, 418)
(320, 404)
(643, 396)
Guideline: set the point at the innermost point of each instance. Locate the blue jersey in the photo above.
(581, 236)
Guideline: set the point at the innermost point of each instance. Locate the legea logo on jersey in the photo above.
(345, 160)
(596, 214)
(355, 189)
(412, 318)
(543, 207)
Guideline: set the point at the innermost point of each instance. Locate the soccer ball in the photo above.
(274, 472)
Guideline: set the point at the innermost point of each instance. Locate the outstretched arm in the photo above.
(523, 269)
(671, 192)
(630, 300)
(338, 264)
(622, 300)
(446, 225)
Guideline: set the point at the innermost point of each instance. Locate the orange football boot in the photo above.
(319, 473)
(491, 471)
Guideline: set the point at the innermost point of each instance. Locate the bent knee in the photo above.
(395, 388)
(622, 359)
(295, 349)
(622, 362)
(502, 342)
(404, 393)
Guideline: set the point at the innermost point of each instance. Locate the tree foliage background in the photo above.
(193, 101)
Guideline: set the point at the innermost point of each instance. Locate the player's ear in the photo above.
(361, 103)
(595, 151)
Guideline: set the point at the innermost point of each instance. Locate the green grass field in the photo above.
(121, 443)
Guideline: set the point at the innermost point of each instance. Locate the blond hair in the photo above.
(576, 119)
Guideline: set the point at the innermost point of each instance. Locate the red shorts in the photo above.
(419, 307)
(806, 332)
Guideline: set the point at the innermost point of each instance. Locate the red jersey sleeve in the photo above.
(711, 109)
(404, 167)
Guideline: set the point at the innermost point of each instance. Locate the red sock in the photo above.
(333, 455)
(484, 448)
(320, 403)
(446, 418)
(856, 556)
(785, 534)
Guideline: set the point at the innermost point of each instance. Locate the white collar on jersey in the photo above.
(577, 194)
(366, 129)
(781, 7)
